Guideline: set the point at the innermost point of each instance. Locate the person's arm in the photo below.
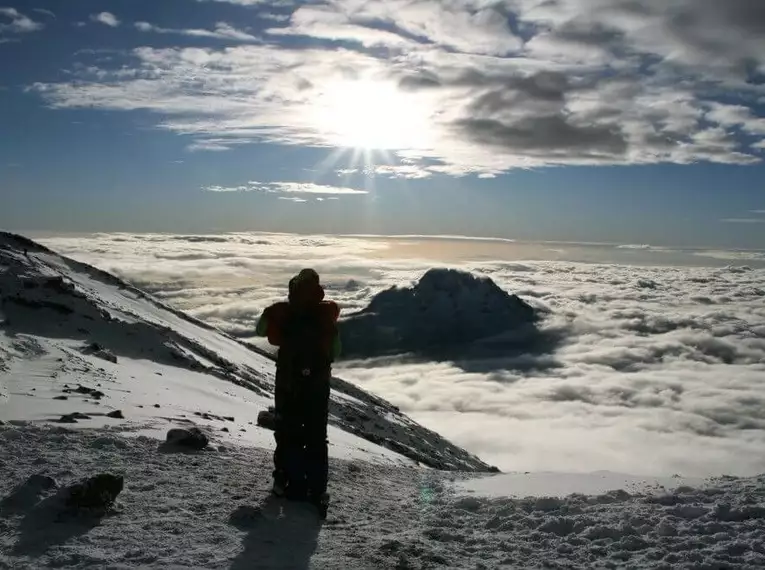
(261, 329)
(337, 345)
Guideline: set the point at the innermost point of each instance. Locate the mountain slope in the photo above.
(75, 325)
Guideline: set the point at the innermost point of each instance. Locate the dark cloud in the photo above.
(552, 134)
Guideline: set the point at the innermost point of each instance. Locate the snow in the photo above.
(542, 484)
(67, 329)
(211, 509)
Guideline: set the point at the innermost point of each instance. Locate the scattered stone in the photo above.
(73, 417)
(267, 419)
(117, 414)
(97, 493)
(193, 438)
(41, 482)
(29, 492)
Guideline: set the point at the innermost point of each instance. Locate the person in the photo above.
(305, 330)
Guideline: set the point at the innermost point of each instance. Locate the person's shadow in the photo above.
(280, 534)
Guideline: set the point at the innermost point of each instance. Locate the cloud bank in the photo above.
(658, 369)
(470, 86)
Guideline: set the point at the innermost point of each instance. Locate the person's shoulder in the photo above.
(330, 307)
(277, 309)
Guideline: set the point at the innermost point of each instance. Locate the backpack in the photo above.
(304, 348)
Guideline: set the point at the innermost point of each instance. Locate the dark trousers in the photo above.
(301, 407)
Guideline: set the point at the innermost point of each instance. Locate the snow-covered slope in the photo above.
(447, 311)
(212, 510)
(67, 328)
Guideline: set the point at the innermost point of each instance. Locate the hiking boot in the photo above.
(295, 493)
(279, 489)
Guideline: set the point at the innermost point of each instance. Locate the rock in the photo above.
(117, 414)
(156, 405)
(61, 398)
(97, 394)
(225, 429)
(267, 419)
(443, 313)
(41, 482)
(26, 495)
(193, 438)
(353, 468)
(228, 418)
(96, 493)
(73, 417)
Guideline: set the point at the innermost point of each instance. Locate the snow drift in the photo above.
(447, 311)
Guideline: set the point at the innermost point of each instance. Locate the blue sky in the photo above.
(637, 121)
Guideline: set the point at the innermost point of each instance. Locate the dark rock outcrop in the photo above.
(97, 493)
(446, 309)
(191, 438)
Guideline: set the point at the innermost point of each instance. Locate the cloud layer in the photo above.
(657, 369)
(469, 86)
(287, 187)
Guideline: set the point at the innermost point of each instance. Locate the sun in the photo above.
(372, 115)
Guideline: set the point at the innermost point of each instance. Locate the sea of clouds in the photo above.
(657, 368)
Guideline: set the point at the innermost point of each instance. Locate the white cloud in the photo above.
(671, 371)
(13, 21)
(253, 2)
(106, 18)
(596, 82)
(222, 31)
(743, 220)
(44, 12)
(286, 187)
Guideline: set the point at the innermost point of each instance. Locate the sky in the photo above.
(619, 121)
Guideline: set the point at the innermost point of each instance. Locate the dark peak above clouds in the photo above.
(445, 309)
